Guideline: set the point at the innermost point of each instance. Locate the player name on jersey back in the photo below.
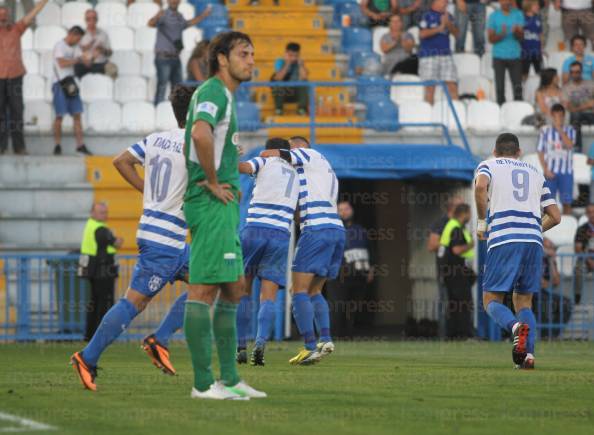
(517, 195)
(162, 224)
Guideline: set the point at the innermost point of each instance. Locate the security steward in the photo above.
(97, 264)
(455, 255)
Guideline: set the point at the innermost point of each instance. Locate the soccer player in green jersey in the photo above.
(211, 206)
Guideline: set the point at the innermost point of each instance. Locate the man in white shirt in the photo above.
(66, 98)
(577, 17)
(95, 47)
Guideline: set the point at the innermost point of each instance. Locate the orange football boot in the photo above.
(158, 354)
(85, 373)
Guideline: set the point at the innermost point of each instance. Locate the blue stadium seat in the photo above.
(336, 2)
(353, 10)
(356, 39)
(209, 32)
(219, 16)
(370, 88)
(243, 94)
(248, 116)
(364, 62)
(382, 114)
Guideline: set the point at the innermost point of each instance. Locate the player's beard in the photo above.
(239, 77)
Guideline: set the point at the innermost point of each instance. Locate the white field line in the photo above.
(25, 425)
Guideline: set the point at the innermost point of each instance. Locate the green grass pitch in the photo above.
(367, 387)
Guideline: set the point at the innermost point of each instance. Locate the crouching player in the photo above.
(509, 196)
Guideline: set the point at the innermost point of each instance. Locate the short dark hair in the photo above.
(576, 63)
(293, 46)
(76, 30)
(277, 143)
(299, 138)
(180, 98)
(223, 43)
(557, 108)
(576, 38)
(461, 209)
(507, 144)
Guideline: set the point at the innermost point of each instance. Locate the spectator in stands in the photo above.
(475, 12)
(584, 244)
(397, 47)
(95, 47)
(591, 163)
(555, 152)
(506, 30)
(407, 9)
(378, 12)
(12, 71)
(435, 56)
(533, 38)
(578, 97)
(547, 94)
(577, 17)
(550, 272)
(433, 246)
(197, 68)
(170, 25)
(66, 96)
(578, 48)
(290, 68)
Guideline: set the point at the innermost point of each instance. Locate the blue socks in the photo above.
(525, 315)
(501, 315)
(244, 314)
(322, 316)
(112, 325)
(265, 320)
(173, 321)
(303, 312)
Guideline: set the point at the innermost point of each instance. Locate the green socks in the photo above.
(225, 332)
(198, 331)
(199, 338)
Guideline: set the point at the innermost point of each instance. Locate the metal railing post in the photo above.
(312, 112)
(23, 322)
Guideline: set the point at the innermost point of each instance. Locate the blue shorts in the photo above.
(265, 252)
(562, 183)
(156, 267)
(514, 267)
(320, 252)
(64, 105)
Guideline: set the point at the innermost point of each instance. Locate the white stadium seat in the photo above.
(165, 119)
(582, 220)
(111, 14)
(556, 59)
(512, 114)
(152, 88)
(467, 64)
(533, 159)
(38, 117)
(46, 64)
(378, 32)
(138, 117)
(73, 14)
(121, 38)
(566, 264)
(50, 15)
(184, 56)
(414, 112)
(128, 62)
(139, 14)
(130, 88)
(187, 10)
(104, 116)
(96, 87)
(484, 116)
(472, 84)
(148, 64)
(530, 86)
(144, 39)
(487, 66)
(554, 18)
(414, 31)
(114, 1)
(45, 37)
(33, 87)
(191, 37)
(554, 39)
(564, 233)
(27, 40)
(442, 113)
(400, 94)
(582, 173)
(31, 61)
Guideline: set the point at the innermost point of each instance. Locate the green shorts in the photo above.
(215, 250)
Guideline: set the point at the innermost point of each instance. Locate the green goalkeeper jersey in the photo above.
(213, 103)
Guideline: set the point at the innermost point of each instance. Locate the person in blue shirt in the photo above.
(435, 55)
(290, 68)
(533, 38)
(578, 48)
(505, 30)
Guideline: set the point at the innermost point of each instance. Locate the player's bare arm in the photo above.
(203, 141)
(126, 163)
(552, 217)
(245, 168)
(481, 198)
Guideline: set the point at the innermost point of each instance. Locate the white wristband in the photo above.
(481, 225)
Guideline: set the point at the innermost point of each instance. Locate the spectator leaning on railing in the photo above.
(473, 11)
(12, 71)
(578, 97)
(506, 30)
(435, 56)
(578, 48)
(96, 49)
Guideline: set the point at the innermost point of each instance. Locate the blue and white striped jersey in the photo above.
(274, 198)
(517, 195)
(318, 190)
(559, 159)
(162, 224)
